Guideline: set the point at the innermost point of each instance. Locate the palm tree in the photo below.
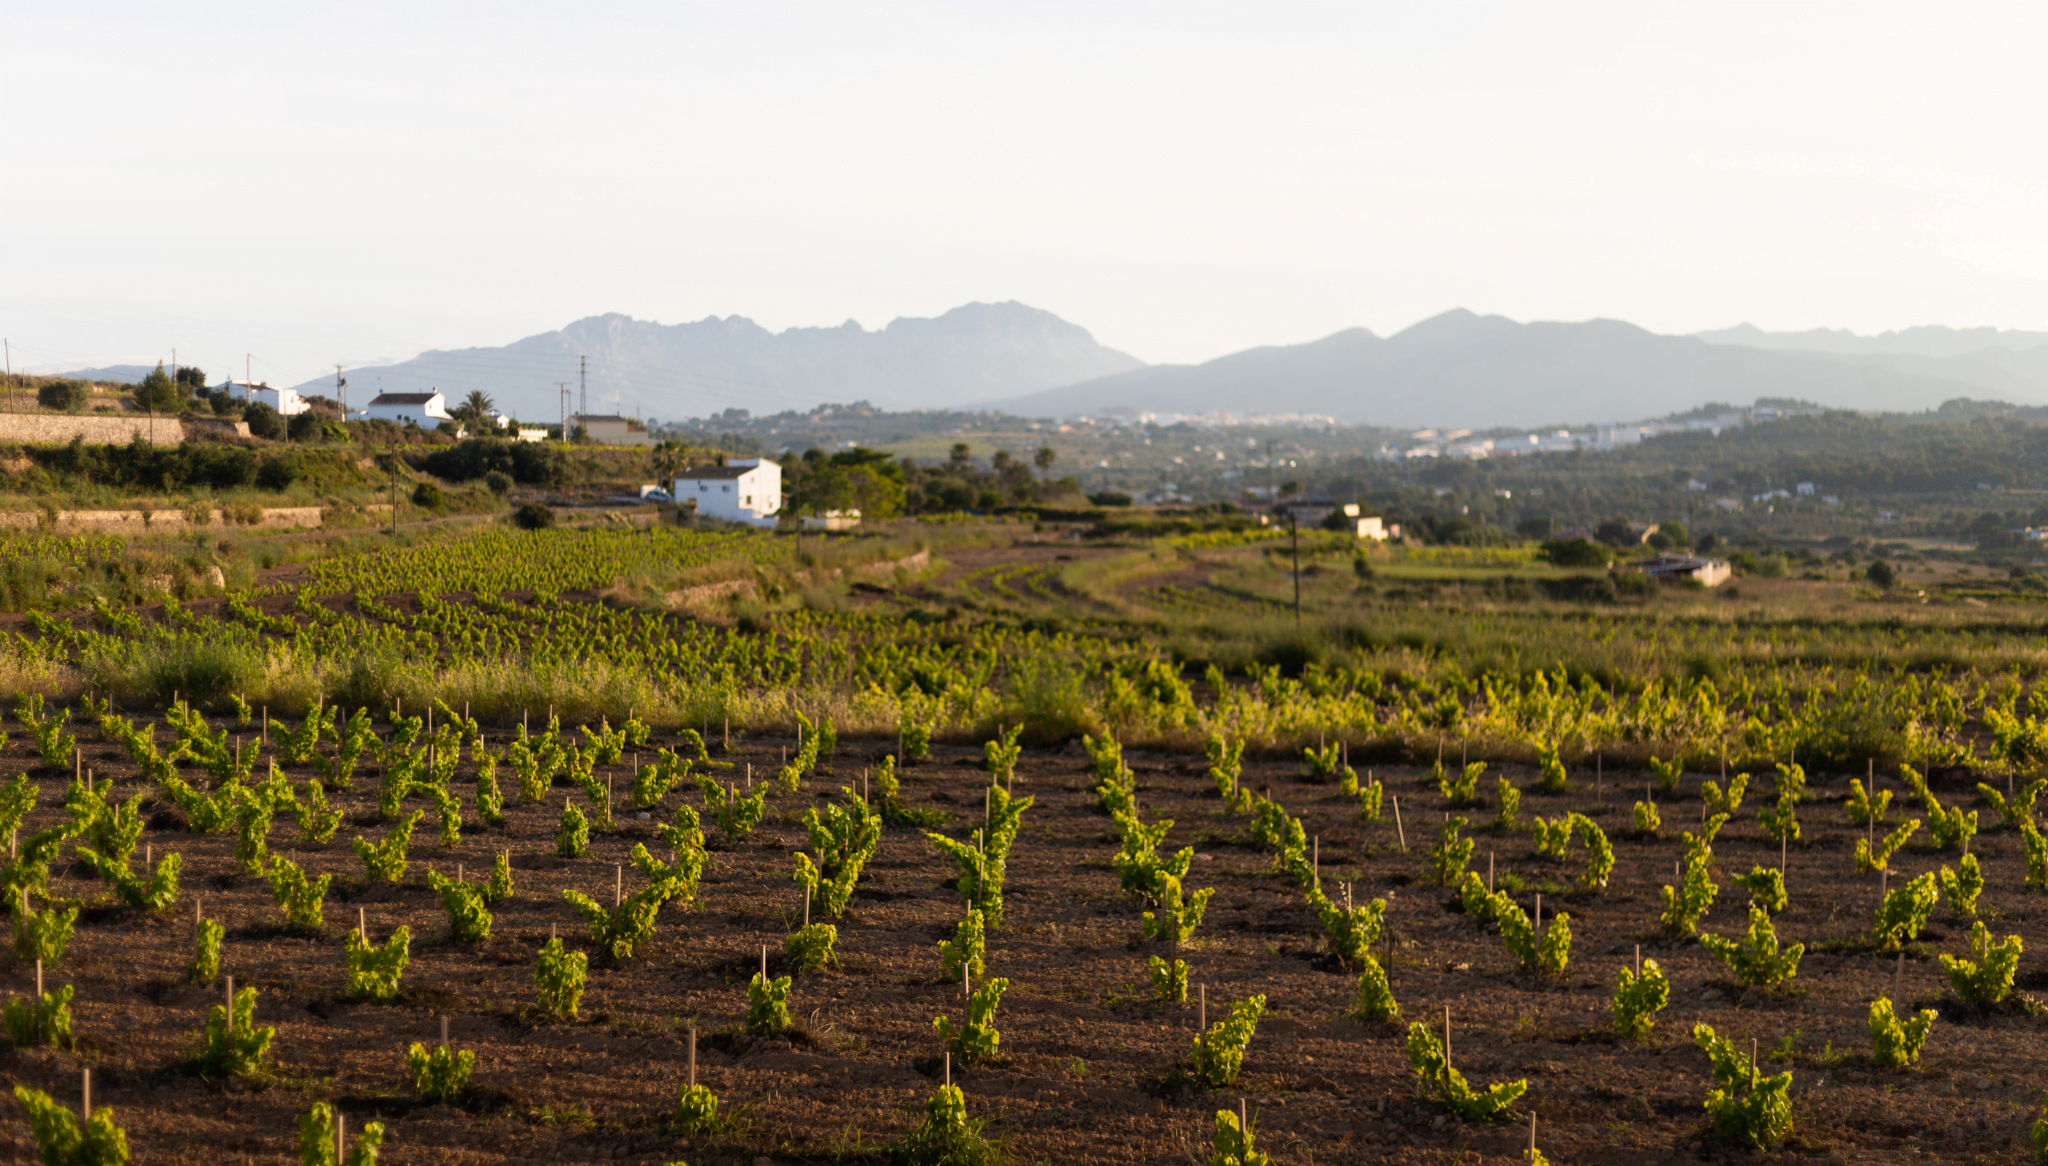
(475, 407)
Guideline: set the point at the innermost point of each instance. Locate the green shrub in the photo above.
(1475, 899)
(1451, 854)
(1226, 765)
(1871, 860)
(809, 949)
(1757, 961)
(205, 965)
(60, 1141)
(301, 899)
(319, 1145)
(1169, 980)
(469, 920)
(317, 820)
(1374, 999)
(1962, 886)
(696, 1111)
(1647, 822)
(1599, 853)
(2039, 1133)
(1352, 931)
(736, 814)
(977, 1038)
(2036, 849)
(1461, 788)
(450, 809)
(1766, 887)
(373, 972)
(1002, 754)
(962, 954)
(1426, 1058)
(1668, 773)
(31, 1022)
(1728, 801)
(844, 840)
(1904, 912)
(1509, 799)
(237, 1049)
(559, 975)
(1547, 955)
(42, 935)
(1865, 810)
(1895, 1044)
(1219, 1053)
(2021, 808)
(572, 840)
(154, 893)
(1551, 776)
(1780, 822)
(386, 860)
(947, 1136)
(621, 930)
(439, 1074)
(767, 1005)
(1986, 976)
(1638, 997)
(1747, 1110)
(1235, 1142)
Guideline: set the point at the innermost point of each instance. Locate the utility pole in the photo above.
(341, 391)
(583, 385)
(563, 387)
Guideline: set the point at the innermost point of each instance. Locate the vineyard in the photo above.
(474, 851)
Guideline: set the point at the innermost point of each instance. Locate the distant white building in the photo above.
(613, 430)
(742, 490)
(286, 401)
(425, 410)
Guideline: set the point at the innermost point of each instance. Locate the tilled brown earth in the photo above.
(1086, 1064)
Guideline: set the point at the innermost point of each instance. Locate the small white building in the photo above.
(425, 410)
(286, 401)
(742, 490)
(1674, 568)
(611, 429)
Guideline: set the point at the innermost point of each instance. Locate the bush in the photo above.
(529, 463)
(1109, 498)
(264, 422)
(67, 396)
(440, 1074)
(426, 496)
(1881, 574)
(61, 1141)
(1575, 552)
(533, 516)
(499, 482)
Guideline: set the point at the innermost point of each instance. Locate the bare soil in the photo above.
(1086, 1071)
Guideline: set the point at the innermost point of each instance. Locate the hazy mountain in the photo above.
(1464, 370)
(121, 374)
(1928, 340)
(969, 354)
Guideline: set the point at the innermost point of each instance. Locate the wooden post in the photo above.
(444, 1032)
(618, 883)
(1201, 1028)
(231, 1006)
(949, 1068)
(1316, 861)
(807, 908)
(1399, 832)
(39, 1000)
(1489, 872)
(266, 726)
(1532, 1137)
(764, 965)
(1539, 916)
(1244, 1128)
(1639, 961)
(362, 927)
(1752, 1064)
(340, 1124)
(85, 1095)
(1447, 1036)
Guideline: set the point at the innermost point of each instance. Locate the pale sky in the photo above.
(347, 182)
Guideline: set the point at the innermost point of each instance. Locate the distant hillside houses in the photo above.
(287, 402)
(1464, 444)
(425, 410)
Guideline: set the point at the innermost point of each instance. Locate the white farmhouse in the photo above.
(286, 401)
(742, 490)
(425, 410)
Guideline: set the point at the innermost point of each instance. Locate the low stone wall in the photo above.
(96, 428)
(164, 521)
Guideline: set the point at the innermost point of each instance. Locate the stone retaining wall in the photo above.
(704, 593)
(168, 521)
(96, 428)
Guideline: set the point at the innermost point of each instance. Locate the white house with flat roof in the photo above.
(425, 410)
(286, 401)
(742, 490)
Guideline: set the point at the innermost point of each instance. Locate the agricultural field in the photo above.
(1148, 841)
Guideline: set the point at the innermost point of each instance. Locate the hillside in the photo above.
(1465, 370)
(971, 353)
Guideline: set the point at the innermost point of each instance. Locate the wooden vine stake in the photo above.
(231, 1006)
(39, 1000)
(693, 1055)
(85, 1094)
(618, 883)
(1399, 832)
(1201, 1029)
